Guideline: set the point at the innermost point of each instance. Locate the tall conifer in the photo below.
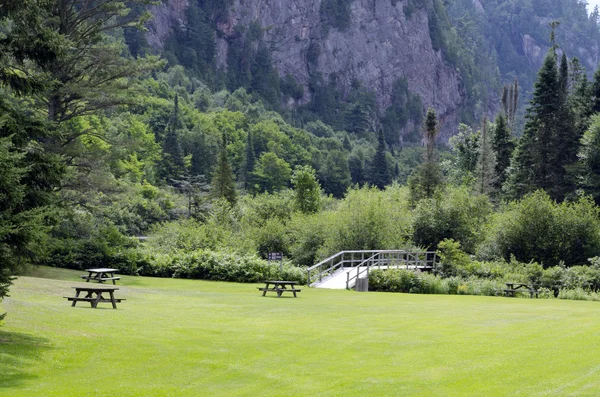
(249, 163)
(531, 168)
(172, 164)
(502, 146)
(486, 161)
(380, 174)
(223, 183)
(428, 177)
(596, 92)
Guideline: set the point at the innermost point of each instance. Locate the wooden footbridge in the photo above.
(344, 268)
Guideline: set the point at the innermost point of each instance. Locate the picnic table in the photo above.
(93, 295)
(101, 275)
(280, 287)
(513, 288)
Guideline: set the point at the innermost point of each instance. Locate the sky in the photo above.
(592, 4)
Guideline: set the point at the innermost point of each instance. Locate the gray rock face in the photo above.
(380, 45)
(165, 15)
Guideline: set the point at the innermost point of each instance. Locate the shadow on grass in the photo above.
(17, 352)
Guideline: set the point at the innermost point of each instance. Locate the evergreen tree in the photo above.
(223, 182)
(356, 168)
(596, 92)
(335, 174)
(589, 155)
(428, 177)
(249, 163)
(380, 174)
(565, 141)
(486, 162)
(502, 147)
(199, 163)
(29, 174)
(173, 165)
(532, 168)
(510, 103)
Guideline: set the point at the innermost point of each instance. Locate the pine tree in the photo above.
(486, 162)
(596, 92)
(589, 155)
(380, 174)
(530, 169)
(173, 165)
(249, 163)
(565, 141)
(510, 103)
(503, 147)
(428, 177)
(223, 183)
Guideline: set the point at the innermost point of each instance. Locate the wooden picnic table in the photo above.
(93, 295)
(513, 288)
(101, 275)
(280, 287)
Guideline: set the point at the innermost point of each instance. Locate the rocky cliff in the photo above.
(380, 45)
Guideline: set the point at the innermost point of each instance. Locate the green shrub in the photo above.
(578, 294)
(185, 234)
(452, 258)
(458, 214)
(82, 241)
(307, 236)
(538, 229)
(369, 219)
(271, 237)
(407, 281)
(218, 266)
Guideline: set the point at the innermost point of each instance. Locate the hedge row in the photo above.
(218, 266)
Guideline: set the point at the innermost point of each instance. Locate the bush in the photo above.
(538, 229)
(82, 241)
(186, 234)
(407, 281)
(218, 266)
(272, 237)
(578, 294)
(307, 236)
(368, 219)
(458, 215)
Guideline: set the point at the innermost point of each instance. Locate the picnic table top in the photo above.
(86, 288)
(102, 270)
(281, 282)
(519, 285)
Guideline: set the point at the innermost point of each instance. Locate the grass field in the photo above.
(197, 338)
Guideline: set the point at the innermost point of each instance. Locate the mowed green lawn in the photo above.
(197, 338)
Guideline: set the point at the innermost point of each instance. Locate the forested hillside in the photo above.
(189, 134)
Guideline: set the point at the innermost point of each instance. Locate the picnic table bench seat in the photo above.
(85, 299)
(280, 290)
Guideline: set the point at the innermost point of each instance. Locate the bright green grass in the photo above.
(197, 338)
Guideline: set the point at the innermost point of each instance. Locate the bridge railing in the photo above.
(358, 259)
(330, 265)
(352, 259)
(425, 260)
